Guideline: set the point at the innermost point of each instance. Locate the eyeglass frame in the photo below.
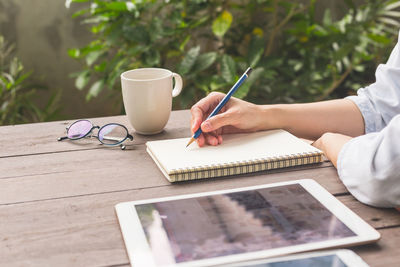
(128, 136)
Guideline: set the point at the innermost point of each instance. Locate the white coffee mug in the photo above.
(147, 95)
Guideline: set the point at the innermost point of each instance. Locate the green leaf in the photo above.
(392, 6)
(255, 75)
(199, 21)
(327, 19)
(189, 60)
(203, 84)
(100, 67)
(97, 19)
(8, 80)
(390, 21)
(95, 89)
(204, 61)
(74, 53)
(343, 51)
(92, 57)
(80, 13)
(173, 53)
(183, 44)
(256, 50)
(82, 80)
(118, 66)
(93, 46)
(392, 13)
(319, 31)
(222, 23)
(15, 67)
(359, 68)
(22, 78)
(137, 49)
(379, 38)
(228, 68)
(117, 6)
(217, 83)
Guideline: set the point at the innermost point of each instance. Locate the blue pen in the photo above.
(223, 102)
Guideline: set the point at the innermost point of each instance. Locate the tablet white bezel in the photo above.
(140, 254)
(348, 257)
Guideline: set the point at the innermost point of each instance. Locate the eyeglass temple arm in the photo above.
(122, 146)
(90, 136)
(110, 138)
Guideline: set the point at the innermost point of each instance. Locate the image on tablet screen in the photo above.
(247, 221)
(321, 261)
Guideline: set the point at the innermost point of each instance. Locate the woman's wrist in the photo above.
(271, 117)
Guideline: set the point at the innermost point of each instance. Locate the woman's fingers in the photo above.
(212, 139)
(218, 121)
(197, 118)
(201, 109)
(201, 141)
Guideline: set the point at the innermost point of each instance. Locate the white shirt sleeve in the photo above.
(369, 165)
(380, 101)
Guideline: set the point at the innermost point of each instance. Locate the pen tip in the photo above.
(191, 141)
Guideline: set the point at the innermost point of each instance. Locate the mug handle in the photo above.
(178, 84)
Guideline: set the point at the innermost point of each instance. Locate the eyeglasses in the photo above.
(111, 134)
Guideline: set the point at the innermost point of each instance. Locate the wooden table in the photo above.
(57, 198)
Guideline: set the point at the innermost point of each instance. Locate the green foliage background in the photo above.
(18, 93)
(296, 57)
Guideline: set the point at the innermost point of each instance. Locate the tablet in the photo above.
(331, 258)
(220, 227)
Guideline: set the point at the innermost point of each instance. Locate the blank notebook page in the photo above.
(173, 154)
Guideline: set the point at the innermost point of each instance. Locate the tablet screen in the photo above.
(321, 261)
(217, 225)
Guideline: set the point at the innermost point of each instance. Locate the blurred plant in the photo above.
(210, 43)
(17, 94)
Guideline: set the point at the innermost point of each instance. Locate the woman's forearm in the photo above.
(312, 120)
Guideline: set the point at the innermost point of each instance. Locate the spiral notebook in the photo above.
(238, 154)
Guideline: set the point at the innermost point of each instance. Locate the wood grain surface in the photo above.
(57, 198)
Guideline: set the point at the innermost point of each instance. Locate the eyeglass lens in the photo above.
(112, 134)
(79, 129)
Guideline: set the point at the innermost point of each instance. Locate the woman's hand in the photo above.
(331, 144)
(308, 121)
(236, 116)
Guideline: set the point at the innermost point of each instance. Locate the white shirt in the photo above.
(369, 165)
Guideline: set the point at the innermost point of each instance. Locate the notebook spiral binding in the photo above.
(234, 168)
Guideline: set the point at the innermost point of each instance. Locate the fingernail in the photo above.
(194, 125)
